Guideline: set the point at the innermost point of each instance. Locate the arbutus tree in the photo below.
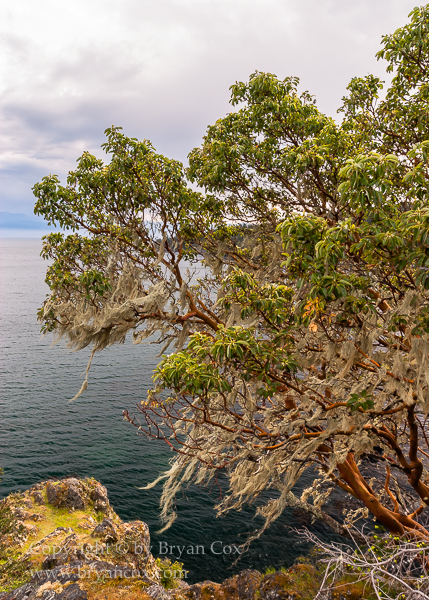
(303, 343)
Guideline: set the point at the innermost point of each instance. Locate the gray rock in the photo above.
(37, 497)
(30, 592)
(182, 584)
(67, 493)
(54, 560)
(23, 593)
(157, 592)
(52, 492)
(72, 592)
(60, 573)
(100, 498)
(248, 583)
(20, 513)
(73, 497)
(106, 530)
(36, 517)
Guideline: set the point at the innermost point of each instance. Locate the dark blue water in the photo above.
(42, 435)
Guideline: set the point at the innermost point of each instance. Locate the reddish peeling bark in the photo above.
(395, 521)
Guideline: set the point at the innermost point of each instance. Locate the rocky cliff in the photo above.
(61, 540)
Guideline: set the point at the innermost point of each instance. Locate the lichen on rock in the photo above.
(78, 494)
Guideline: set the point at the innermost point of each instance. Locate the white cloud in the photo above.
(161, 69)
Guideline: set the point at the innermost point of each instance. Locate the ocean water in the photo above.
(43, 435)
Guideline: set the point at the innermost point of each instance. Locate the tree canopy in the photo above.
(285, 272)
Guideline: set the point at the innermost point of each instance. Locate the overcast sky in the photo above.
(161, 69)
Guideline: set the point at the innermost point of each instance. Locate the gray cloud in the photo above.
(161, 69)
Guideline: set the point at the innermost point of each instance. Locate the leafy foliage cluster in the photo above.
(292, 288)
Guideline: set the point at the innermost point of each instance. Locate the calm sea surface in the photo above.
(42, 435)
